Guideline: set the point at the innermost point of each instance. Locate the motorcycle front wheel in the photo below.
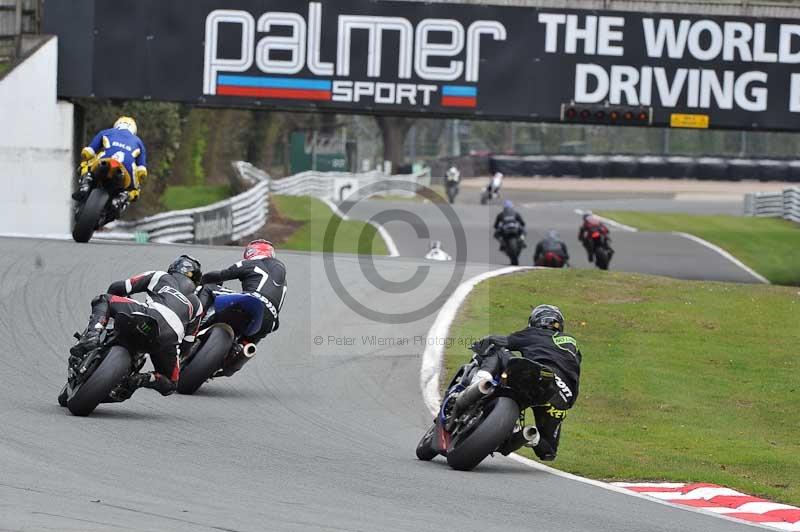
(114, 367)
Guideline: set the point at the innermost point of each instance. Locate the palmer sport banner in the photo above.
(433, 59)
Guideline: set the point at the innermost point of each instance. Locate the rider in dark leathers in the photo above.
(508, 223)
(544, 343)
(172, 301)
(592, 223)
(263, 277)
(551, 252)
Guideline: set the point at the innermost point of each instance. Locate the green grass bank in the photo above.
(770, 246)
(681, 380)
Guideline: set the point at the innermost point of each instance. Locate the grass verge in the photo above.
(770, 246)
(681, 380)
(351, 236)
(176, 198)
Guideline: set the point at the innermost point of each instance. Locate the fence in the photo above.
(340, 186)
(16, 17)
(218, 223)
(242, 215)
(784, 204)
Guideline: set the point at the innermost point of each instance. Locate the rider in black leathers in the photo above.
(551, 252)
(172, 301)
(262, 276)
(545, 343)
(508, 223)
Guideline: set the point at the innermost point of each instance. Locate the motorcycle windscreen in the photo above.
(249, 304)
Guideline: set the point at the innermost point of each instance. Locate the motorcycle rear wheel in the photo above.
(468, 451)
(114, 367)
(208, 359)
(89, 215)
(601, 258)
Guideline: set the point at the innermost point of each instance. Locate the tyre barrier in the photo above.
(647, 166)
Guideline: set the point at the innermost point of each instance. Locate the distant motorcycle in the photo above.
(109, 178)
(598, 245)
(489, 194)
(551, 260)
(94, 378)
(512, 245)
(477, 420)
(217, 351)
(451, 187)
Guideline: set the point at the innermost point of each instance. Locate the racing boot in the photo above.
(84, 187)
(119, 204)
(239, 355)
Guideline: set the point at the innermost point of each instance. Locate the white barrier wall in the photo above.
(36, 165)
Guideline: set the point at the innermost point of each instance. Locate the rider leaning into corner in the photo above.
(172, 301)
(264, 278)
(508, 222)
(551, 251)
(592, 223)
(495, 183)
(122, 144)
(544, 343)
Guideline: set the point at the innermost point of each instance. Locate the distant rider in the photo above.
(544, 343)
(264, 278)
(551, 252)
(592, 224)
(172, 301)
(494, 184)
(121, 144)
(507, 224)
(453, 176)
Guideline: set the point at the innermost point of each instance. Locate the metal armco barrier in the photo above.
(217, 223)
(340, 186)
(784, 204)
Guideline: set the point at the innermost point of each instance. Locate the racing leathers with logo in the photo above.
(121, 144)
(264, 278)
(171, 301)
(544, 343)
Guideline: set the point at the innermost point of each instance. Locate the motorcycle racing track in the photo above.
(305, 438)
(644, 252)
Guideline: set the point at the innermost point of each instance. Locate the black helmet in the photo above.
(188, 266)
(546, 317)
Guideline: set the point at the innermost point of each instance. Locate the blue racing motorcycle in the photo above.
(217, 351)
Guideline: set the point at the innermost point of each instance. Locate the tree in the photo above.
(394, 130)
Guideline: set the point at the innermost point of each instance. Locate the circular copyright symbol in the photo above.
(318, 340)
(366, 262)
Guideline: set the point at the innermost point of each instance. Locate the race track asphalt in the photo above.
(414, 224)
(306, 438)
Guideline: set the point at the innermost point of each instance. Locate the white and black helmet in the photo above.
(546, 317)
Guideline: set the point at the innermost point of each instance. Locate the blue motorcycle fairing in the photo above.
(252, 305)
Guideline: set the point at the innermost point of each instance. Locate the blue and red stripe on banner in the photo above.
(459, 96)
(279, 88)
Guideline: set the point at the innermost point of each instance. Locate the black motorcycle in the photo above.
(477, 420)
(108, 179)
(100, 374)
(512, 244)
(451, 187)
(217, 351)
(598, 245)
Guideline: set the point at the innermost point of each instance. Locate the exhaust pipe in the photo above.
(249, 350)
(474, 392)
(528, 436)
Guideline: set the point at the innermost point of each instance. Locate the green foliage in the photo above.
(681, 381)
(178, 197)
(770, 246)
(349, 236)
